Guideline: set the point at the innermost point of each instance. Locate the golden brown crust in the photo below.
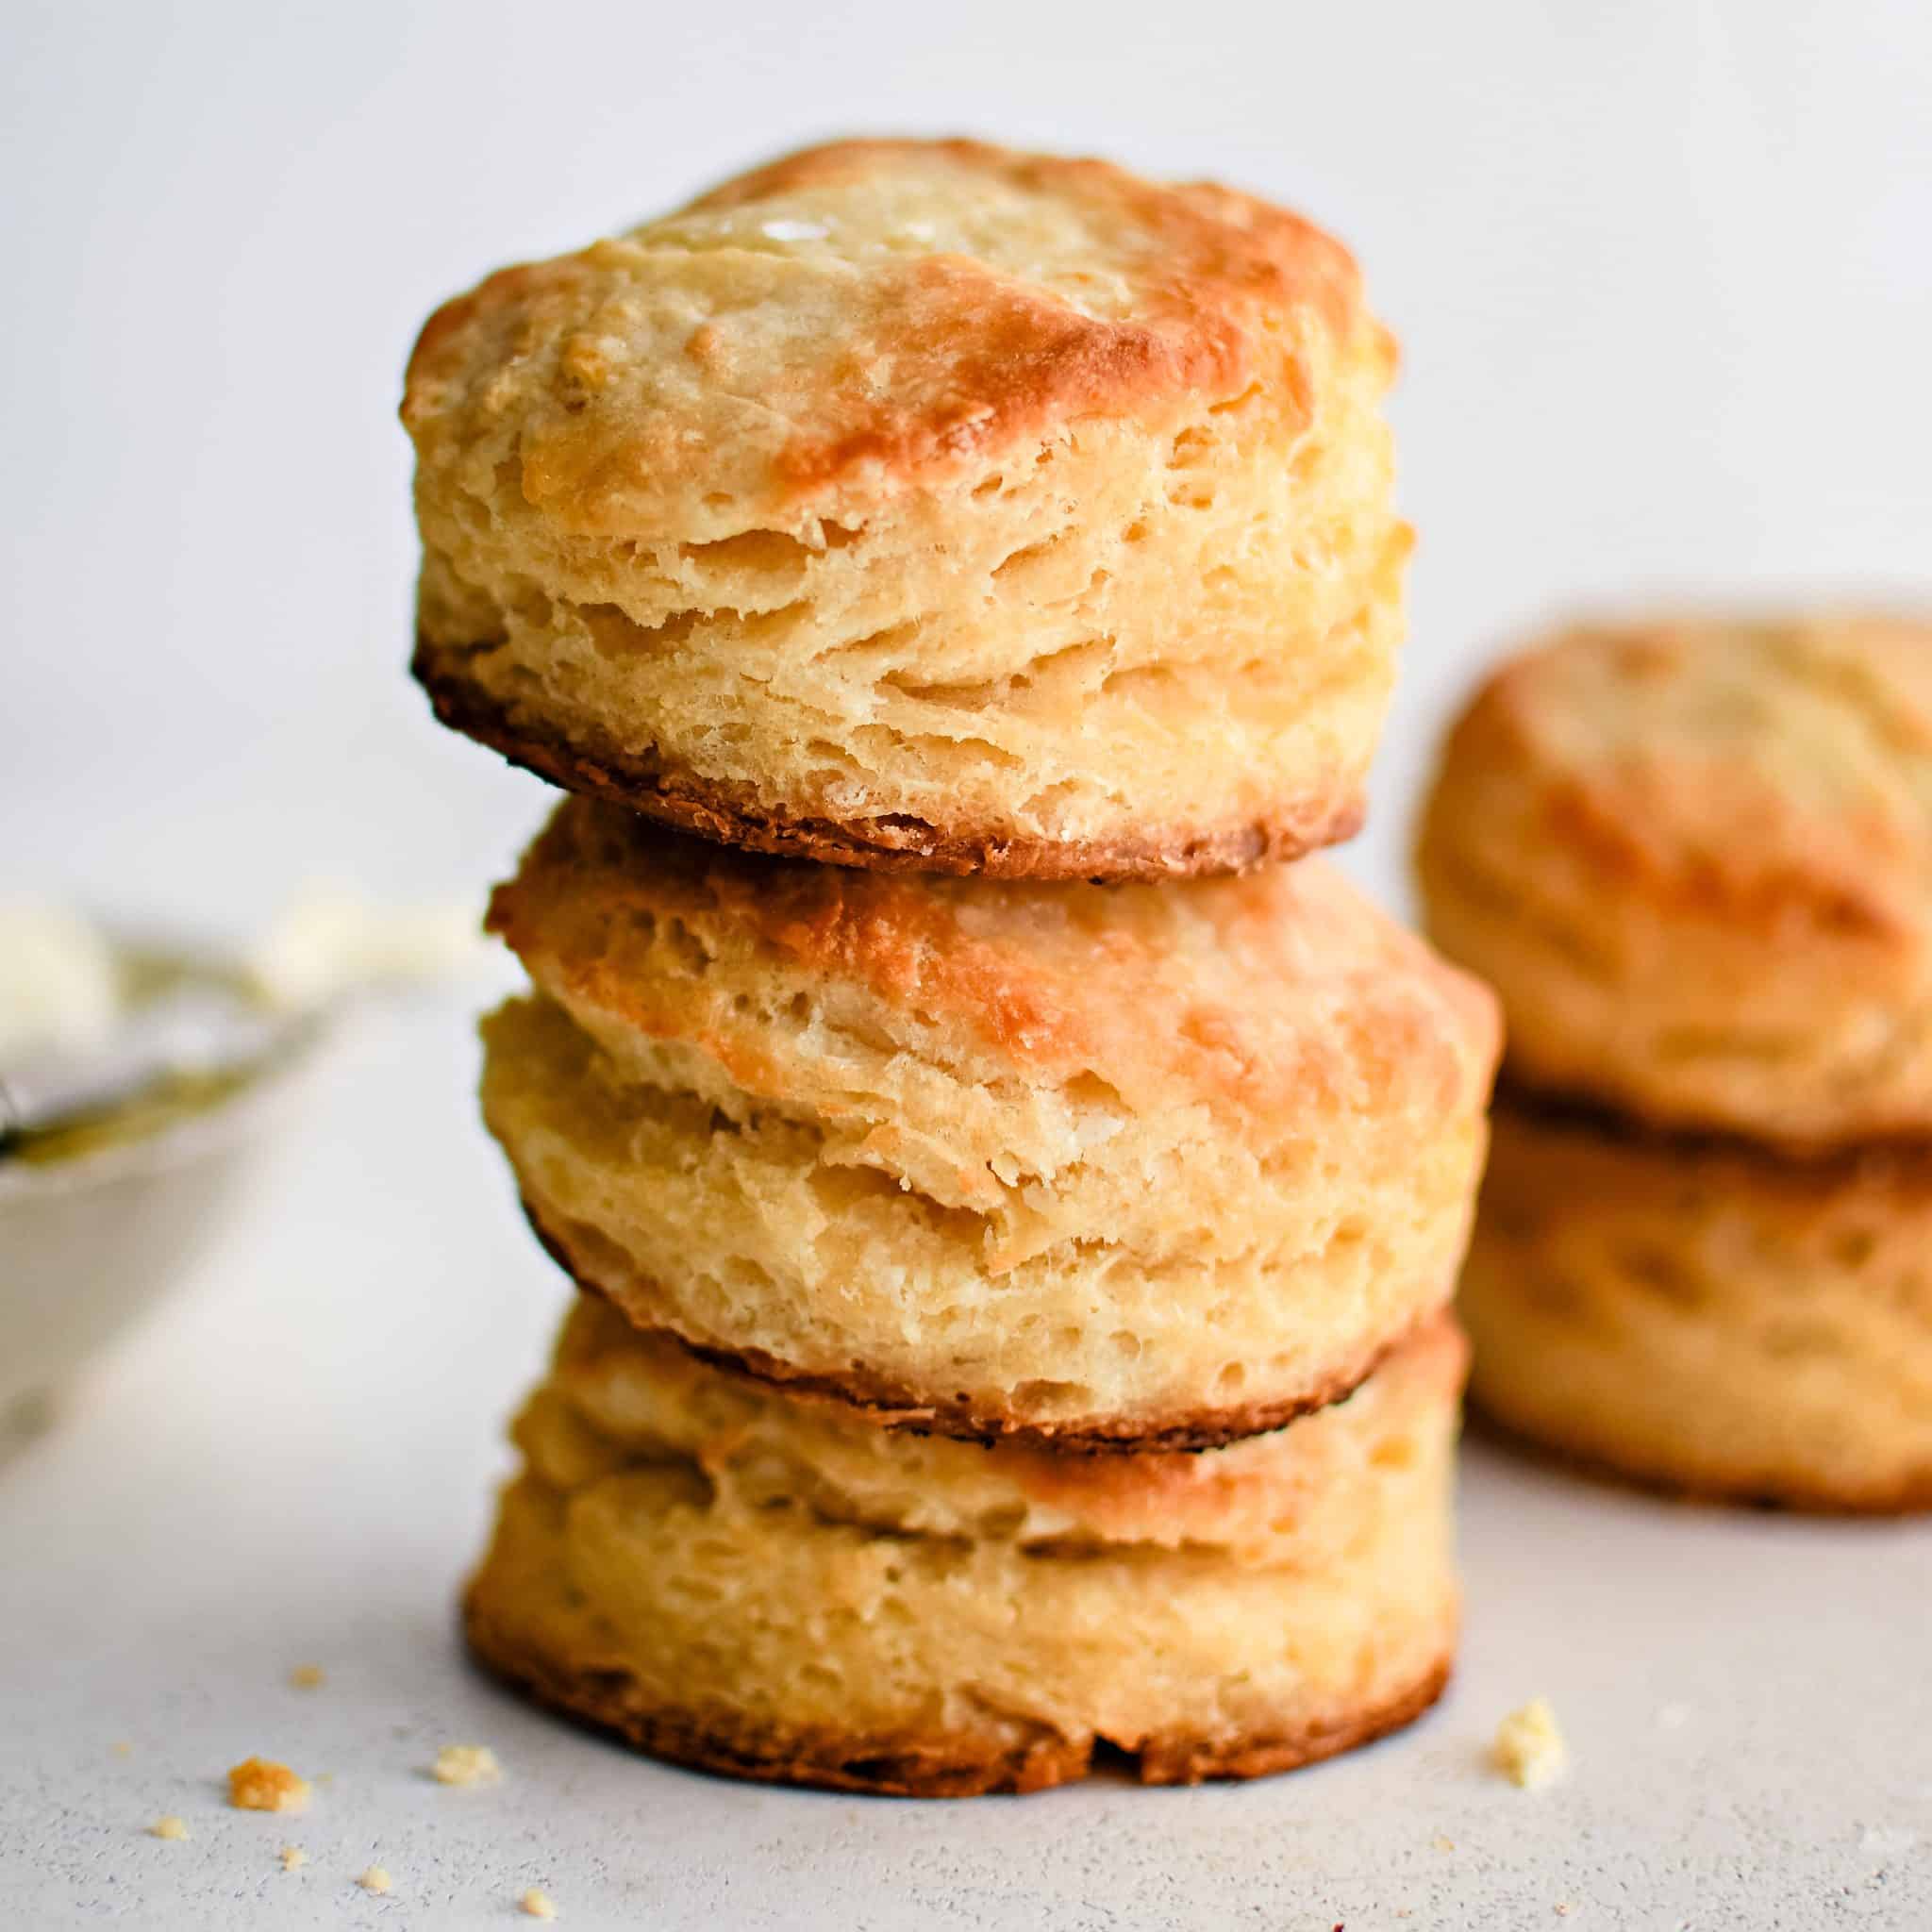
(732, 815)
(1291, 994)
(736, 1580)
(1292, 1496)
(1692, 857)
(925, 506)
(897, 1407)
(942, 1767)
(1128, 1163)
(941, 358)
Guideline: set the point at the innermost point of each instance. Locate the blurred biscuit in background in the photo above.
(1704, 1315)
(1694, 858)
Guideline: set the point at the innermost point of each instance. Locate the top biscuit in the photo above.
(1695, 859)
(925, 506)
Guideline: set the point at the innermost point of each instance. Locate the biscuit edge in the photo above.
(724, 815)
(957, 1766)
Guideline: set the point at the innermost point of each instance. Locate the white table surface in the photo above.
(293, 1464)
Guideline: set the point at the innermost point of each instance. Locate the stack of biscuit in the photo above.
(1695, 859)
(1016, 1212)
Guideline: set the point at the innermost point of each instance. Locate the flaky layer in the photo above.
(744, 1239)
(1292, 1496)
(943, 505)
(700, 1607)
(1151, 1068)
(1111, 1163)
(1696, 860)
(1705, 1316)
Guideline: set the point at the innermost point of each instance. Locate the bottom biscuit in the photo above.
(733, 1579)
(1706, 1317)
(968, 1764)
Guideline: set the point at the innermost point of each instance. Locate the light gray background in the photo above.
(1663, 277)
(1663, 272)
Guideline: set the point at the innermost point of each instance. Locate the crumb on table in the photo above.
(259, 1784)
(308, 1677)
(169, 1826)
(293, 1857)
(376, 1879)
(122, 1748)
(466, 1764)
(538, 1905)
(1528, 1748)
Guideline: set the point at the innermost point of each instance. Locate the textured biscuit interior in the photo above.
(1707, 1315)
(1051, 1057)
(662, 1580)
(1082, 1151)
(742, 1238)
(1293, 1495)
(1694, 858)
(932, 481)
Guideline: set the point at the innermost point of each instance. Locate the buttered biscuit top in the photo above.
(924, 504)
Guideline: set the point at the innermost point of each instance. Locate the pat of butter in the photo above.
(332, 940)
(59, 985)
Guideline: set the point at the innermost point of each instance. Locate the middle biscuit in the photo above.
(1113, 1166)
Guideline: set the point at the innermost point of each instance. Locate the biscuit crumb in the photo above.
(1529, 1749)
(308, 1677)
(1441, 1844)
(466, 1764)
(376, 1879)
(258, 1784)
(169, 1826)
(122, 1748)
(537, 1905)
(293, 1857)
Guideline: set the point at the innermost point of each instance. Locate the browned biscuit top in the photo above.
(1281, 997)
(810, 336)
(1776, 772)
(1694, 857)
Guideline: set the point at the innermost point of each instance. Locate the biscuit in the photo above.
(1696, 860)
(1705, 1316)
(737, 1579)
(925, 506)
(1108, 1164)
